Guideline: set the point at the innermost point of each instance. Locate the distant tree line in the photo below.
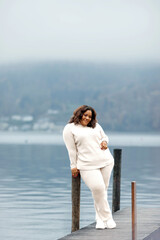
(126, 97)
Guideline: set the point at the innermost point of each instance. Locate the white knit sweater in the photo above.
(83, 145)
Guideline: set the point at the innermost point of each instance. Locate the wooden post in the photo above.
(116, 180)
(134, 212)
(76, 186)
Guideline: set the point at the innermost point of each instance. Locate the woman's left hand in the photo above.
(75, 172)
(104, 145)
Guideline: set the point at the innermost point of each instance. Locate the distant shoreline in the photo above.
(121, 139)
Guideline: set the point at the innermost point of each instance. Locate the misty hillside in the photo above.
(126, 97)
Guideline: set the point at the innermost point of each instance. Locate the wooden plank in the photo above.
(134, 211)
(148, 221)
(116, 180)
(154, 236)
(76, 190)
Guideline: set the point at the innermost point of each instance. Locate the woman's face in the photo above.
(86, 118)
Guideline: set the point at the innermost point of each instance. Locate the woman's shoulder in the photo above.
(69, 126)
(67, 129)
(98, 125)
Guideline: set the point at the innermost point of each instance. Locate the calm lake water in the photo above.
(35, 184)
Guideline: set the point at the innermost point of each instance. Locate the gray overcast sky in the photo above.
(96, 30)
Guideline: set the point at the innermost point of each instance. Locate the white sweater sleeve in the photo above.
(70, 145)
(103, 135)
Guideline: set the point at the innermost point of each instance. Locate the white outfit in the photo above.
(95, 164)
(83, 145)
(98, 180)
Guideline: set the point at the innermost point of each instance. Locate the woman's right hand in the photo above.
(75, 172)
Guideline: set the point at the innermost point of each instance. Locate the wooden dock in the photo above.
(148, 227)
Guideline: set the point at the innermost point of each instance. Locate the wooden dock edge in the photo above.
(154, 235)
(148, 227)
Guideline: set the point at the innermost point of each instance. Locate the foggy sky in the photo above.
(96, 30)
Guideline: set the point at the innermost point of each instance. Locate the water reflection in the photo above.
(35, 189)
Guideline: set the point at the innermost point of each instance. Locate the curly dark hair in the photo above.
(78, 113)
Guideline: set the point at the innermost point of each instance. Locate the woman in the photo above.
(87, 147)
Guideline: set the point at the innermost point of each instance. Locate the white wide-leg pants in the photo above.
(98, 180)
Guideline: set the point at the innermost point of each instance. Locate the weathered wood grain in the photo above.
(148, 221)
